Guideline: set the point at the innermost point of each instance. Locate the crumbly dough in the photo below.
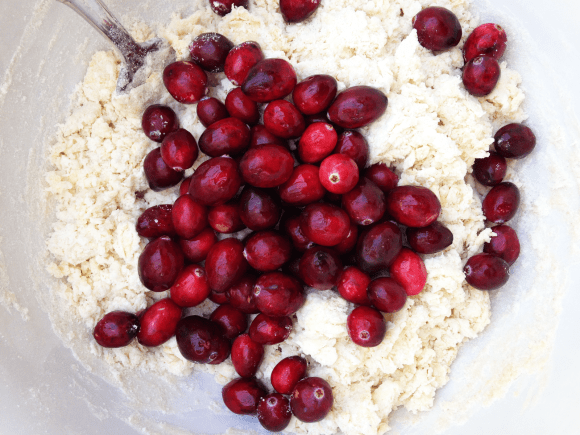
(431, 133)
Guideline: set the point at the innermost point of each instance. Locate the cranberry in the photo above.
(232, 320)
(267, 250)
(266, 166)
(311, 399)
(201, 340)
(274, 412)
(408, 269)
(514, 141)
(349, 242)
(324, 224)
(179, 150)
(485, 40)
(352, 285)
(365, 204)
(486, 272)
(242, 395)
(189, 217)
(295, 11)
(291, 226)
(184, 186)
(283, 119)
(378, 246)
(265, 329)
(155, 222)
(210, 110)
(259, 210)
(225, 218)
(338, 173)
(317, 142)
(269, 79)
(382, 176)
(209, 51)
(303, 187)
(501, 203)
(160, 263)
(366, 326)
(196, 249)
(158, 174)
(241, 59)
(241, 295)
(414, 206)
(219, 298)
(357, 106)
(490, 171)
(287, 373)
(185, 81)
(226, 136)
(320, 268)
(259, 135)
(158, 121)
(158, 323)
(246, 356)
(225, 264)
(314, 94)
(480, 75)
(116, 329)
(241, 107)
(215, 181)
(317, 117)
(278, 294)
(292, 267)
(430, 239)
(190, 288)
(224, 7)
(387, 295)
(437, 28)
(505, 244)
(353, 144)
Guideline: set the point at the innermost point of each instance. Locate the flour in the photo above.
(431, 134)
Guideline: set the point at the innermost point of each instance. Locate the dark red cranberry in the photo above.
(209, 51)
(215, 181)
(201, 340)
(430, 239)
(274, 412)
(158, 121)
(303, 187)
(382, 176)
(160, 263)
(210, 110)
(155, 222)
(333, 198)
(219, 298)
(225, 264)
(320, 268)
(349, 242)
(366, 326)
(185, 81)
(189, 217)
(353, 144)
(314, 94)
(287, 373)
(241, 59)
(365, 204)
(226, 136)
(225, 218)
(270, 79)
(232, 320)
(158, 323)
(292, 267)
(501, 203)
(317, 142)
(270, 330)
(196, 249)
(514, 141)
(184, 186)
(246, 356)
(414, 206)
(486, 272)
(158, 174)
(357, 106)
(324, 224)
(408, 269)
(486, 40)
(224, 7)
(261, 136)
(190, 288)
(338, 173)
(311, 400)
(317, 117)
(179, 150)
(295, 11)
(505, 244)
(283, 119)
(241, 294)
(241, 107)
(290, 224)
(378, 247)
(387, 295)
(266, 166)
(116, 329)
(267, 250)
(437, 28)
(278, 294)
(491, 170)
(259, 210)
(242, 395)
(480, 75)
(352, 285)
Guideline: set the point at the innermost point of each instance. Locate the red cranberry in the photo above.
(409, 270)
(485, 40)
(259, 210)
(430, 239)
(270, 79)
(382, 176)
(270, 330)
(490, 171)
(116, 329)
(155, 222)
(184, 186)
(225, 264)
(215, 181)
(414, 206)
(242, 395)
(311, 399)
(357, 106)
(349, 242)
(226, 136)
(324, 224)
(179, 150)
(317, 117)
(365, 204)
(225, 218)
(501, 203)
(315, 93)
(505, 244)
(246, 356)
(189, 217)
(353, 144)
(437, 28)
(209, 51)
(486, 272)
(320, 268)
(303, 187)
(201, 340)
(241, 107)
(287, 373)
(196, 249)
(480, 75)
(241, 295)
(232, 320)
(514, 141)
(291, 226)
(160, 263)
(387, 295)
(267, 250)
(158, 121)
(295, 11)
(274, 412)
(317, 142)
(352, 285)
(261, 136)
(283, 119)
(378, 246)
(366, 326)
(278, 294)
(266, 166)
(241, 59)
(190, 288)
(338, 173)
(185, 81)
(158, 323)
(219, 298)
(224, 7)
(210, 110)
(158, 174)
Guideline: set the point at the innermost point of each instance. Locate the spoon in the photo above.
(135, 54)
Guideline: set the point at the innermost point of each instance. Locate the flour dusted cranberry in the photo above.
(158, 121)
(352, 285)
(338, 173)
(201, 340)
(242, 395)
(366, 326)
(185, 81)
(278, 294)
(295, 11)
(184, 186)
(437, 28)
(514, 141)
(215, 181)
(486, 40)
(259, 135)
(382, 176)
(430, 239)
(224, 7)
(311, 399)
(155, 222)
(246, 356)
(209, 50)
(267, 250)
(190, 288)
(320, 268)
(501, 203)
(189, 217)
(270, 79)
(303, 187)
(179, 150)
(365, 204)
(259, 209)
(160, 263)
(270, 330)
(266, 166)
(274, 412)
(414, 206)
(158, 323)
(490, 170)
(349, 242)
(219, 298)
(324, 224)
(225, 264)
(116, 329)
(480, 75)
(241, 294)
(283, 119)
(225, 218)
(353, 144)
(287, 373)
(226, 136)
(241, 107)
(387, 295)
(317, 142)
(196, 249)
(378, 246)
(314, 94)
(505, 244)
(232, 320)
(357, 106)
(210, 110)
(290, 224)
(486, 272)
(158, 174)
(408, 269)
(241, 59)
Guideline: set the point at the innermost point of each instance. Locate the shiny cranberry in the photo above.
(226, 136)
(320, 268)
(480, 75)
(382, 176)
(408, 269)
(491, 170)
(378, 246)
(354, 145)
(357, 106)
(283, 119)
(486, 40)
(267, 250)
(486, 272)
(160, 263)
(514, 141)
(338, 173)
(197, 248)
(225, 218)
(287, 373)
(224, 7)
(314, 94)
(303, 187)
(290, 224)
(430, 239)
(270, 79)
(242, 395)
(259, 210)
(210, 110)
(437, 28)
(201, 340)
(241, 59)
(179, 150)
(261, 136)
(116, 329)
(219, 298)
(387, 295)
(209, 51)
(155, 222)
(185, 81)
(241, 107)
(190, 288)
(225, 264)
(352, 284)
(241, 294)
(274, 412)
(231, 319)
(158, 174)
(505, 244)
(158, 323)
(266, 166)
(158, 121)
(295, 11)
(189, 217)
(317, 142)
(501, 203)
(365, 204)
(414, 206)
(278, 294)
(215, 181)
(184, 186)
(366, 326)
(270, 330)
(311, 399)
(246, 356)
(349, 242)
(324, 224)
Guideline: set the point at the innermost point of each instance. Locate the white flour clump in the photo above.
(431, 133)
